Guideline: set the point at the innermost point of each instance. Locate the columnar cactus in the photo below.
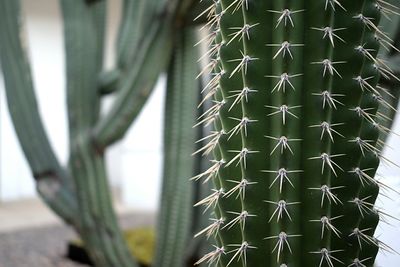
(296, 93)
(150, 31)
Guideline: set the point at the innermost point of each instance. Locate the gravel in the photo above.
(46, 246)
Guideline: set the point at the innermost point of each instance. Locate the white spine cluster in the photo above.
(331, 101)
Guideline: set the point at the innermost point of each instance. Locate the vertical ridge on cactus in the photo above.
(296, 99)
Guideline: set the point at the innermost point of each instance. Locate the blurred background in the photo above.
(44, 32)
(135, 163)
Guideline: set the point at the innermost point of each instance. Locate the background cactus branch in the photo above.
(139, 79)
(174, 223)
(137, 16)
(149, 32)
(54, 183)
(84, 38)
(299, 104)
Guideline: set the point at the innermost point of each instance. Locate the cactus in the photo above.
(296, 95)
(176, 215)
(79, 193)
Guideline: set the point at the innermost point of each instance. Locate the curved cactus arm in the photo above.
(83, 44)
(201, 219)
(53, 182)
(390, 24)
(140, 77)
(137, 16)
(137, 85)
(393, 88)
(175, 217)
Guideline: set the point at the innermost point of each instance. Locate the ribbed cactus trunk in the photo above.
(295, 87)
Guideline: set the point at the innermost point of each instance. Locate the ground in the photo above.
(45, 246)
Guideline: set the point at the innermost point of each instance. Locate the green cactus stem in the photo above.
(84, 33)
(297, 144)
(175, 218)
(53, 183)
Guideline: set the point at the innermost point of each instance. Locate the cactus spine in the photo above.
(296, 94)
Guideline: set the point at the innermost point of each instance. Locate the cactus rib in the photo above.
(179, 141)
(296, 92)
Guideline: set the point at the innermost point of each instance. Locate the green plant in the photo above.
(154, 36)
(299, 110)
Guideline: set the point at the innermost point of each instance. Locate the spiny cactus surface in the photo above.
(296, 141)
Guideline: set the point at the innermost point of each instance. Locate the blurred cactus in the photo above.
(301, 100)
(155, 36)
